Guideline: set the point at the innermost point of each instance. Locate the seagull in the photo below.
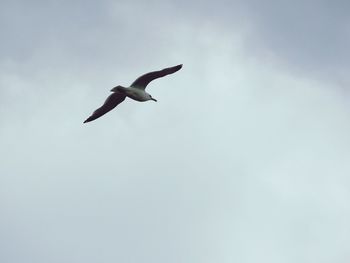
(136, 91)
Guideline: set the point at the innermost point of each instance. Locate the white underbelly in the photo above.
(136, 94)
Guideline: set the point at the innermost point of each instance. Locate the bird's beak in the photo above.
(154, 99)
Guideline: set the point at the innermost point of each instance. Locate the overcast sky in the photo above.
(244, 158)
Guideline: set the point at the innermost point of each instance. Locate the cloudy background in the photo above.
(244, 158)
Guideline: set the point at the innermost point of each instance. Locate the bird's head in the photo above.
(117, 88)
(151, 98)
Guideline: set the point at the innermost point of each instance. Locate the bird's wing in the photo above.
(142, 82)
(111, 102)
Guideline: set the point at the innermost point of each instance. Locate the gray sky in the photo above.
(245, 157)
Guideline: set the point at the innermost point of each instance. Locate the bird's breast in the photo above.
(136, 94)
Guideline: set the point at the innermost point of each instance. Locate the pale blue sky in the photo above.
(244, 158)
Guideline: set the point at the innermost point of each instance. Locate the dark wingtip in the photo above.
(88, 120)
(177, 67)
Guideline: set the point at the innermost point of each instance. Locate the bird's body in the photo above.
(136, 91)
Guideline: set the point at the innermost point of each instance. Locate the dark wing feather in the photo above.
(111, 102)
(142, 82)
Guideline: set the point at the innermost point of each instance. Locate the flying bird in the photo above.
(136, 91)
